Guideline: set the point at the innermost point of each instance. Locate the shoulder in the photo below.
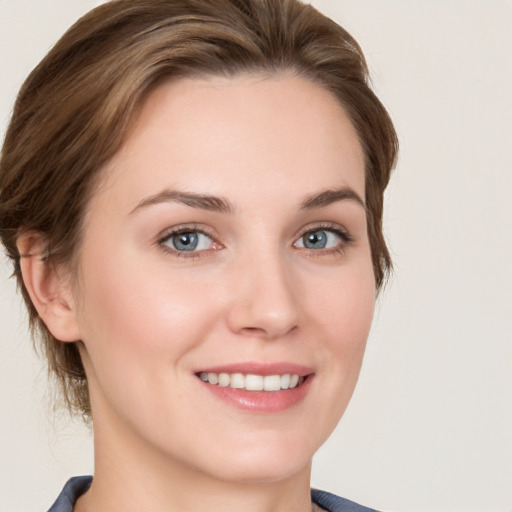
(73, 489)
(77, 485)
(333, 503)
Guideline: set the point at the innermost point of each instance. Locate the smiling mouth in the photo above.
(253, 382)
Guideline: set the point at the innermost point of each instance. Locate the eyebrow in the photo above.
(223, 205)
(328, 197)
(204, 202)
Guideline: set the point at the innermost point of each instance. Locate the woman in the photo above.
(191, 195)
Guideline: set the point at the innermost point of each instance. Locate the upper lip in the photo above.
(257, 368)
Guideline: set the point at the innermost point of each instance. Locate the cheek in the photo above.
(139, 330)
(346, 314)
(137, 320)
(347, 309)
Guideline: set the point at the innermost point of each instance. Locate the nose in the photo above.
(264, 301)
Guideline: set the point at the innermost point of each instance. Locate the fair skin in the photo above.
(280, 282)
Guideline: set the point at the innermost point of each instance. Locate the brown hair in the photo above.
(75, 108)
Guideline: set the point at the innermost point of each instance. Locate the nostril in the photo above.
(253, 331)
(270, 333)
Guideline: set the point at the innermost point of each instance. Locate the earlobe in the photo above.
(49, 288)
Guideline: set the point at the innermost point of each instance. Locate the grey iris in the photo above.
(315, 240)
(185, 241)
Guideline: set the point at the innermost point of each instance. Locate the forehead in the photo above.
(226, 135)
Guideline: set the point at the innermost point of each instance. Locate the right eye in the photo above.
(188, 241)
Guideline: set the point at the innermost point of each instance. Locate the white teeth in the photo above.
(272, 383)
(213, 378)
(237, 381)
(224, 380)
(294, 380)
(252, 382)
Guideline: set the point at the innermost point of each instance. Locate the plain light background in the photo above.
(430, 425)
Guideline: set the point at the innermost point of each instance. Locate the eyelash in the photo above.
(185, 229)
(345, 237)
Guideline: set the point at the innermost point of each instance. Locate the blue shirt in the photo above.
(76, 486)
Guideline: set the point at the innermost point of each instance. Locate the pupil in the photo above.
(185, 242)
(316, 240)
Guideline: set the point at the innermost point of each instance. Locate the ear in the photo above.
(48, 287)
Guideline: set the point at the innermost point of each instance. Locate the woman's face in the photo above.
(228, 237)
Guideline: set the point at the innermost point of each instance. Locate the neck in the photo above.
(130, 476)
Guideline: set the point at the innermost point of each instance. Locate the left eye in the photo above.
(319, 239)
(188, 241)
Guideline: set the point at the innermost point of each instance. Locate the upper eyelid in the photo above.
(206, 231)
(186, 228)
(344, 238)
(327, 226)
(168, 234)
(211, 233)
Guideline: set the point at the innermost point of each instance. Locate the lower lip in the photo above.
(262, 401)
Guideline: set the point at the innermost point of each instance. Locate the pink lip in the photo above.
(263, 402)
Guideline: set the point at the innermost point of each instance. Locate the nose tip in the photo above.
(265, 306)
(271, 327)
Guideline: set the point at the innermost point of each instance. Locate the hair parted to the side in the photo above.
(74, 111)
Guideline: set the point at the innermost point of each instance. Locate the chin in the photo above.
(264, 472)
(261, 462)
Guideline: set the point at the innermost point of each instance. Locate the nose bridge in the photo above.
(264, 302)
